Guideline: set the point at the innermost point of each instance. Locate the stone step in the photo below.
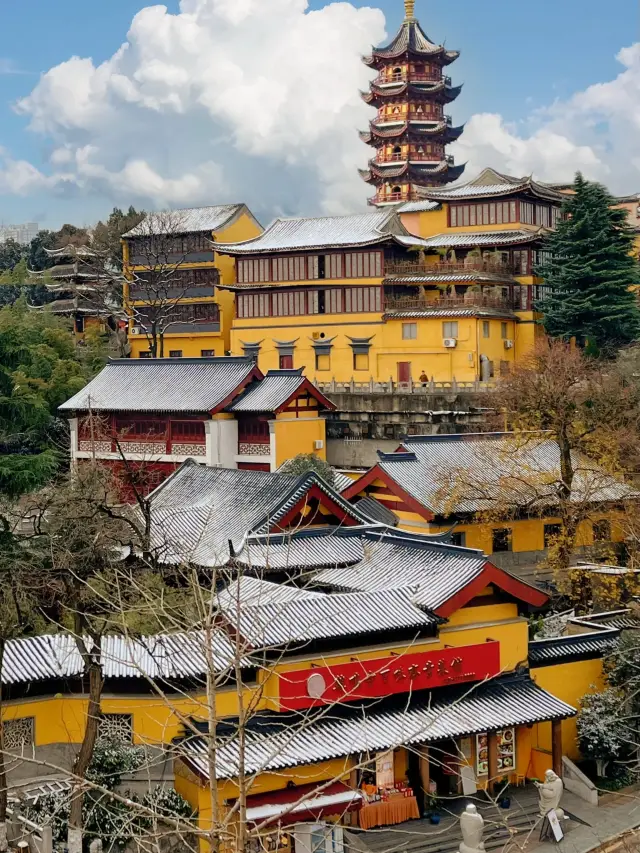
(446, 838)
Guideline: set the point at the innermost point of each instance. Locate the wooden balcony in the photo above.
(413, 77)
(412, 156)
(498, 268)
(471, 299)
(381, 198)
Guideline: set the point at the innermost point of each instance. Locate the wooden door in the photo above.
(286, 362)
(404, 371)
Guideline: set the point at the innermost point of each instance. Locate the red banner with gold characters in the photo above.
(373, 679)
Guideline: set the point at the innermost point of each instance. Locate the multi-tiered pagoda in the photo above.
(411, 131)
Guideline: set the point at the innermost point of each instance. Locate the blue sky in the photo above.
(516, 59)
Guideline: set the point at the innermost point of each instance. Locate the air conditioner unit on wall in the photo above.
(318, 444)
(135, 330)
(508, 344)
(449, 343)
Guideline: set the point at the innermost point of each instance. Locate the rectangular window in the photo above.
(80, 324)
(450, 329)
(501, 540)
(551, 534)
(602, 530)
(193, 430)
(503, 331)
(459, 539)
(409, 331)
(116, 727)
(19, 735)
(454, 216)
(175, 353)
(286, 362)
(361, 361)
(146, 354)
(207, 353)
(486, 329)
(323, 362)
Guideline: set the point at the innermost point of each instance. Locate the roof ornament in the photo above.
(409, 8)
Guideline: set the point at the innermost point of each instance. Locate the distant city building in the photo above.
(23, 233)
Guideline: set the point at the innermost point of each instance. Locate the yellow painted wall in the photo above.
(61, 719)
(297, 435)
(244, 228)
(388, 347)
(569, 682)
(428, 223)
(526, 534)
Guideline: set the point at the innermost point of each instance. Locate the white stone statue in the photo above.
(550, 792)
(95, 846)
(472, 827)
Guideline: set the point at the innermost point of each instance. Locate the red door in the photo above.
(286, 362)
(404, 371)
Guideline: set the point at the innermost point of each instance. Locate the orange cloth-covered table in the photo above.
(395, 810)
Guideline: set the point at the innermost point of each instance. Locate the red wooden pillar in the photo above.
(556, 746)
(492, 750)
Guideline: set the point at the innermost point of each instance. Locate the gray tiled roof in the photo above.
(492, 183)
(304, 550)
(419, 206)
(591, 645)
(279, 743)
(471, 472)
(392, 559)
(162, 385)
(411, 37)
(377, 511)
(482, 238)
(251, 591)
(198, 510)
(325, 232)
(478, 311)
(270, 393)
(303, 619)
(162, 656)
(187, 221)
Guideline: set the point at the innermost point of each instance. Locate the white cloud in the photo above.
(257, 101)
(596, 131)
(227, 100)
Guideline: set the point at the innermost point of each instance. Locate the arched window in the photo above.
(397, 73)
(397, 149)
(396, 190)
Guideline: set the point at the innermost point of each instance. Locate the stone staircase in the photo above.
(420, 836)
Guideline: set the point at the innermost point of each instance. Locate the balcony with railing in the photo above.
(413, 77)
(395, 197)
(471, 299)
(412, 156)
(409, 268)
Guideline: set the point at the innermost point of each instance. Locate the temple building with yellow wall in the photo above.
(173, 276)
(496, 492)
(376, 669)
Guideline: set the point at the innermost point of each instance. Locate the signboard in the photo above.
(384, 769)
(506, 751)
(554, 823)
(373, 679)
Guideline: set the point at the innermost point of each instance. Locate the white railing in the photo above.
(394, 387)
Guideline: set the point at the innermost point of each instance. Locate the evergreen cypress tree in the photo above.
(590, 272)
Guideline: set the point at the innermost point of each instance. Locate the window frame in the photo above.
(507, 534)
(409, 331)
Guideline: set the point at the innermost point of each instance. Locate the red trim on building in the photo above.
(289, 796)
(309, 388)
(315, 492)
(376, 473)
(254, 466)
(256, 373)
(493, 575)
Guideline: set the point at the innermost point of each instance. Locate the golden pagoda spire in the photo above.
(409, 7)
